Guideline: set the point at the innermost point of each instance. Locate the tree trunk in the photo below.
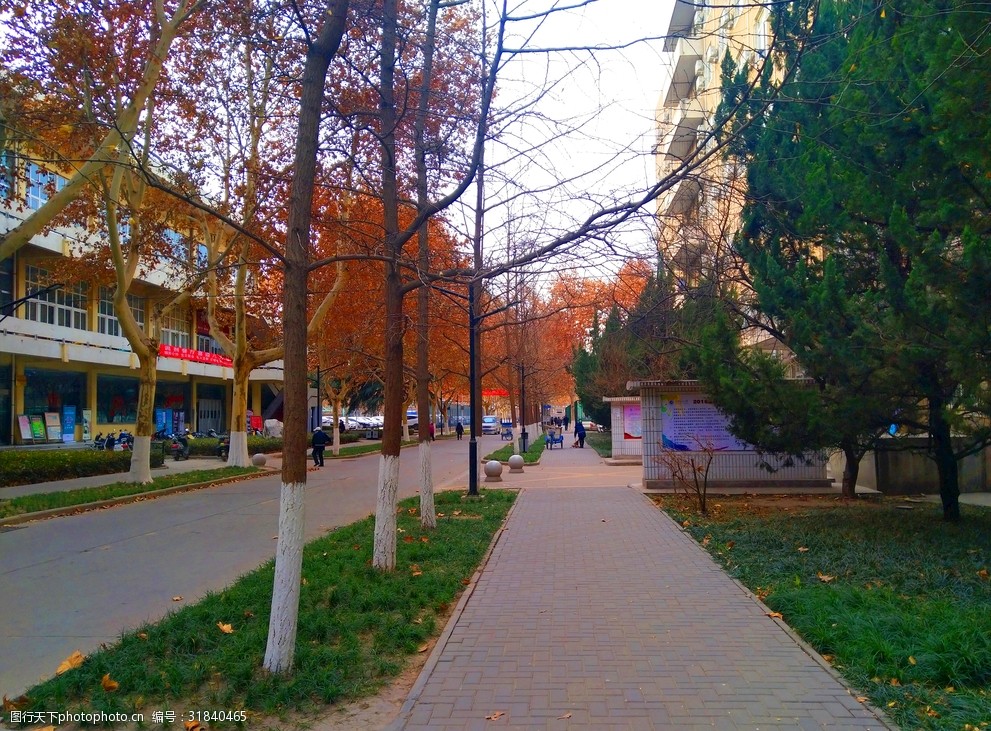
(851, 470)
(946, 462)
(145, 426)
(394, 394)
(288, 570)
(428, 515)
(238, 455)
(281, 646)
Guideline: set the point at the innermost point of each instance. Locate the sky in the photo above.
(603, 102)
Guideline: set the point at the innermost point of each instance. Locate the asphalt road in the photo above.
(74, 582)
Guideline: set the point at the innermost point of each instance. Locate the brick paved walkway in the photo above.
(595, 611)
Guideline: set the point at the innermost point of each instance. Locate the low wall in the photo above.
(742, 469)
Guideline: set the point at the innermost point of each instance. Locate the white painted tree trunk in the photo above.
(238, 455)
(516, 441)
(384, 548)
(405, 430)
(428, 513)
(141, 461)
(288, 571)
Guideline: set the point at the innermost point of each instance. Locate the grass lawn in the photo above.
(357, 626)
(601, 442)
(530, 456)
(70, 498)
(896, 600)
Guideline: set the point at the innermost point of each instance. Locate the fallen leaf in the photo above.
(71, 663)
(730, 544)
(775, 615)
(193, 726)
(177, 598)
(108, 684)
(895, 682)
(142, 635)
(949, 689)
(225, 628)
(407, 539)
(705, 541)
(411, 511)
(456, 512)
(892, 704)
(440, 515)
(983, 574)
(931, 712)
(802, 549)
(911, 660)
(415, 570)
(495, 715)
(303, 581)
(862, 699)
(829, 658)
(357, 547)
(825, 578)
(47, 728)
(424, 647)
(19, 703)
(465, 582)
(248, 614)
(424, 539)
(566, 715)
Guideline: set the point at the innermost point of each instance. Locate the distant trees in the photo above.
(866, 228)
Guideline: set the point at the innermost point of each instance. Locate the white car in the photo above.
(490, 425)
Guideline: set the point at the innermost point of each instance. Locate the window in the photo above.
(175, 328)
(6, 174)
(206, 344)
(107, 322)
(40, 185)
(64, 306)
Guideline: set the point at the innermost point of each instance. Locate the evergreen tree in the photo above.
(866, 227)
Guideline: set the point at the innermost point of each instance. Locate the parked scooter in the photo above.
(110, 441)
(223, 446)
(180, 446)
(125, 441)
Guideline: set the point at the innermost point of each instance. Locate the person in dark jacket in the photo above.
(319, 443)
(459, 430)
(580, 434)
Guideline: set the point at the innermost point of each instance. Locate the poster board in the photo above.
(68, 424)
(24, 426)
(691, 421)
(632, 422)
(87, 420)
(37, 427)
(53, 426)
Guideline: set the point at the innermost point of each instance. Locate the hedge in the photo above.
(27, 466)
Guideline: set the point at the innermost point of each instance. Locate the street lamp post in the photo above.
(523, 434)
(472, 392)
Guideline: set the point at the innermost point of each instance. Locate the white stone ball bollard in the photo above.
(493, 471)
(259, 460)
(516, 463)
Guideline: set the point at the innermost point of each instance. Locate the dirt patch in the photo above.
(757, 504)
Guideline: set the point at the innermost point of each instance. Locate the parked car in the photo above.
(490, 425)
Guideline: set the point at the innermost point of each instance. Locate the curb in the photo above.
(421, 680)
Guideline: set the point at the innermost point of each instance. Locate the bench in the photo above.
(552, 438)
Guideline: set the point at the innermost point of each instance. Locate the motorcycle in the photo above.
(109, 442)
(180, 446)
(125, 441)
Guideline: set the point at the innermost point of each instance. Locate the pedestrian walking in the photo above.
(580, 435)
(566, 422)
(432, 431)
(319, 443)
(459, 430)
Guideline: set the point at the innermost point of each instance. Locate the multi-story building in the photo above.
(698, 214)
(62, 352)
